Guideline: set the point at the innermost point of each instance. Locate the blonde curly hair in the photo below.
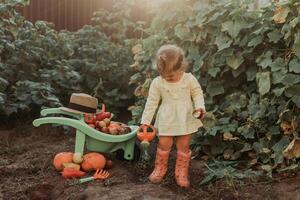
(170, 58)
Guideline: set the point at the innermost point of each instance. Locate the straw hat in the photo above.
(82, 103)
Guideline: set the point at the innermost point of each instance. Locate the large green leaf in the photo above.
(264, 82)
(294, 65)
(291, 79)
(235, 61)
(293, 90)
(296, 46)
(251, 73)
(215, 88)
(209, 121)
(214, 71)
(278, 91)
(296, 100)
(278, 64)
(3, 84)
(274, 36)
(279, 147)
(278, 76)
(183, 32)
(235, 27)
(223, 41)
(255, 41)
(247, 131)
(265, 59)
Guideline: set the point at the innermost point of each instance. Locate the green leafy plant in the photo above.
(246, 62)
(42, 67)
(227, 170)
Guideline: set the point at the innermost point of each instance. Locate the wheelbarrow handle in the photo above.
(88, 179)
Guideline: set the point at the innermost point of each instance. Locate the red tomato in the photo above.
(89, 118)
(100, 116)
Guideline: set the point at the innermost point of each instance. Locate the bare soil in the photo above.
(26, 172)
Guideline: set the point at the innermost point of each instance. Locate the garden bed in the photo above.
(26, 172)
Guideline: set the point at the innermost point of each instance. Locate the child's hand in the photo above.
(149, 127)
(201, 112)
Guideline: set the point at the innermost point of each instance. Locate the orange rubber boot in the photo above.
(161, 166)
(182, 169)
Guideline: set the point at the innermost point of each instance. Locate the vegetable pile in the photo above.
(101, 121)
(70, 164)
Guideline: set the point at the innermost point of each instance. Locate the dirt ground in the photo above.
(26, 172)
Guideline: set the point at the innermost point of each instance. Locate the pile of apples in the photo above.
(101, 121)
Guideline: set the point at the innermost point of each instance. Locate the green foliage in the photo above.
(227, 170)
(40, 66)
(118, 24)
(247, 63)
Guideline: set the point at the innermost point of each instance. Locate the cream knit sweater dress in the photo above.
(178, 101)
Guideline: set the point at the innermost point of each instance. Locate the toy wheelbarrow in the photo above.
(88, 137)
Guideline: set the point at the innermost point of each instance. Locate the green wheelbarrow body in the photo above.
(88, 137)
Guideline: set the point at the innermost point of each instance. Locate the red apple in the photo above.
(106, 121)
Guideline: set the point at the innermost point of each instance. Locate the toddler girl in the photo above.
(181, 96)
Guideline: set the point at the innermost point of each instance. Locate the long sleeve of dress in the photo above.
(197, 93)
(153, 99)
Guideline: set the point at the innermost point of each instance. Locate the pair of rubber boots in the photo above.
(181, 167)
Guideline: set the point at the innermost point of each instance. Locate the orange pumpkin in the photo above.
(63, 157)
(93, 161)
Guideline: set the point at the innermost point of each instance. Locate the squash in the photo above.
(77, 158)
(72, 173)
(93, 161)
(71, 165)
(63, 157)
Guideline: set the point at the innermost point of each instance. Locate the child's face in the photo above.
(172, 76)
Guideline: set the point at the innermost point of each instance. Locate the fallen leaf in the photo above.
(266, 150)
(227, 154)
(229, 137)
(293, 150)
(135, 65)
(136, 49)
(138, 91)
(294, 125)
(205, 157)
(286, 127)
(280, 14)
(253, 162)
(252, 154)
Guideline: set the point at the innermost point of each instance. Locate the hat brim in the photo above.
(73, 111)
